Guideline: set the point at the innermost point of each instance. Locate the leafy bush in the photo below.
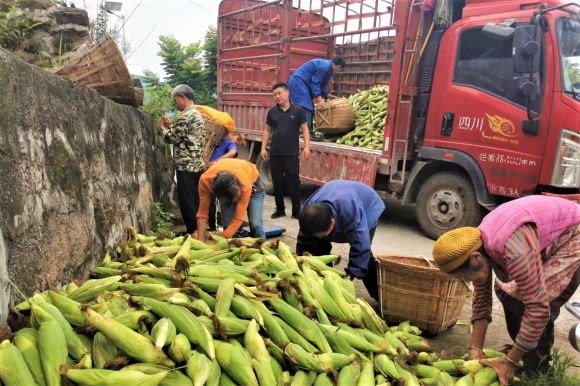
(14, 25)
(161, 220)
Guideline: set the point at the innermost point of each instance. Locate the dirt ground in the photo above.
(399, 233)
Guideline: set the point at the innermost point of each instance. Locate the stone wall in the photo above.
(75, 170)
(60, 30)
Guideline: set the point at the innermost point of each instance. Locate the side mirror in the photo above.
(526, 49)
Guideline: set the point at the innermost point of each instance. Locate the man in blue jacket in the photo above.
(308, 85)
(343, 212)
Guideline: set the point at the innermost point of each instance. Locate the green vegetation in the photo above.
(14, 25)
(161, 220)
(558, 374)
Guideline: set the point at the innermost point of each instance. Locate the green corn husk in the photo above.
(136, 319)
(135, 345)
(332, 286)
(285, 379)
(396, 344)
(303, 378)
(173, 378)
(340, 345)
(276, 367)
(13, 368)
(70, 309)
(225, 380)
(224, 296)
(378, 322)
(233, 326)
(450, 366)
(75, 346)
(470, 367)
(277, 353)
(26, 341)
(257, 349)
(350, 375)
(485, 377)
(163, 333)
(367, 375)
(86, 362)
(272, 327)
(104, 350)
(321, 295)
(465, 381)
(429, 381)
(418, 346)
(355, 338)
(379, 341)
(410, 379)
(99, 377)
(323, 380)
(237, 342)
(198, 368)
(424, 358)
(25, 305)
(295, 337)
(180, 349)
(244, 309)
(380, 379)
(201, 308)
(301, 358)
(92, 288)
(386, 366)
(185, 322)
(215, 373)
(232, 360)
(305, 326)
(444, 379)
(424, 371)
(154, 291)
(51, 345)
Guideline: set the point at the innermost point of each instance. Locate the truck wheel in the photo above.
(266, 175)
(447, 201)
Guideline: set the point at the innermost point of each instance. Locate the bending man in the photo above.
(343, 212)
(533, 246)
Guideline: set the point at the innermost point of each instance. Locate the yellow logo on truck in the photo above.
(501, 125)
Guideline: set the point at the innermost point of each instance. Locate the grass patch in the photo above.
(161, 220)
(558, 373)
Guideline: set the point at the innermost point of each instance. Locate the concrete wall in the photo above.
(75, 170)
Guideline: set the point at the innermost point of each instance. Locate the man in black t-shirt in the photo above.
(283, 123)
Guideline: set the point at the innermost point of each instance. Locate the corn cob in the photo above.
(276, 367)
(224, 296)
(69, 308)
(154, 291)
(444, 379)
(26, 341)
(301, 358)
(51, 345)
(378, 324)
(225, 380)
(135, 345)
(303, 378)
(198, 368)
(485, 377)
(261, 358)
(396, 343)
(465, 381)
(185, 322)
(173, 378)
(244, 309)
(76, 348)
(379, 341)
(339, 345)
(285, 379)
(224, 327)
(104, 350)
(450, 366)
(136, 319)
(304, 325)
(163, 333)
(272, 327)
(320, 266)
(321, 295)
(103, 272)
(418, 345)
(367, 375)
(99, 377)
(323, 380)
(470, 367)
(234, 363)
(25, 305)
(215, 373)
(406, 377)
(277, 353)
(386, 366)
(237, 342)
(350, 375)
(424, 371)
(295, 337)
(89, 291)
(429, 381)
(13, 368)
(354, 338)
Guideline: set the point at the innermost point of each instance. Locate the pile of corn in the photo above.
(180, 312)
(370, 109)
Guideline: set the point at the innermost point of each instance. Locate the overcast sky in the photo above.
(187, 20)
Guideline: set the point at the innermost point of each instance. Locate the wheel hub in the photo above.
(445, 208)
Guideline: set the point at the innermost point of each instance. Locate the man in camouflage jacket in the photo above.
(188, 138)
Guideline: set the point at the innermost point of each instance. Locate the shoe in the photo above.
(278, 213)
(295, 216)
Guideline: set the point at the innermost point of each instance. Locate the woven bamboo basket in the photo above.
(102, 68)
(214, 134)
(337, 117)
(410, 288)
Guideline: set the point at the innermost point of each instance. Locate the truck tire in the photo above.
(447, 201)
(266, 175)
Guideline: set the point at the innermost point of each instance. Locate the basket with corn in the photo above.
(240, 312)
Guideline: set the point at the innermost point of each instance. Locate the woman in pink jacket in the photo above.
(533, 246)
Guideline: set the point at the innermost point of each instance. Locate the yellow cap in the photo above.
(453, 248)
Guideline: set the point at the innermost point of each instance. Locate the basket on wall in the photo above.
(337, 117)
(102, 68)
(214, 134)
(411, 288)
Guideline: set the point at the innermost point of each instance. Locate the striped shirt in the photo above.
(523, 263)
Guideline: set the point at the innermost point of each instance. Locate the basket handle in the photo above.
(428, 261)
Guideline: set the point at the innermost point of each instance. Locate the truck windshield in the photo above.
(568, 32)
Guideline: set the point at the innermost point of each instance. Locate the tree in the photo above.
(194, 65)
(157, 101)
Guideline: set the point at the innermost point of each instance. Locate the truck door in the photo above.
(480, 110)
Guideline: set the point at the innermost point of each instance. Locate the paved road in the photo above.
(398, 233)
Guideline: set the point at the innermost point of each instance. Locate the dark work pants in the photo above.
(211, 222)
(319, 247)
(188, 198)
(537, 360)
(286, 178)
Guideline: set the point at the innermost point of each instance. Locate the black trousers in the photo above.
(211, 222)
(188, 198)
(319, 247)
(538, 359)
(286, 178)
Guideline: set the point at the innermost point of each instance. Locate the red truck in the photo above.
(484, 105)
